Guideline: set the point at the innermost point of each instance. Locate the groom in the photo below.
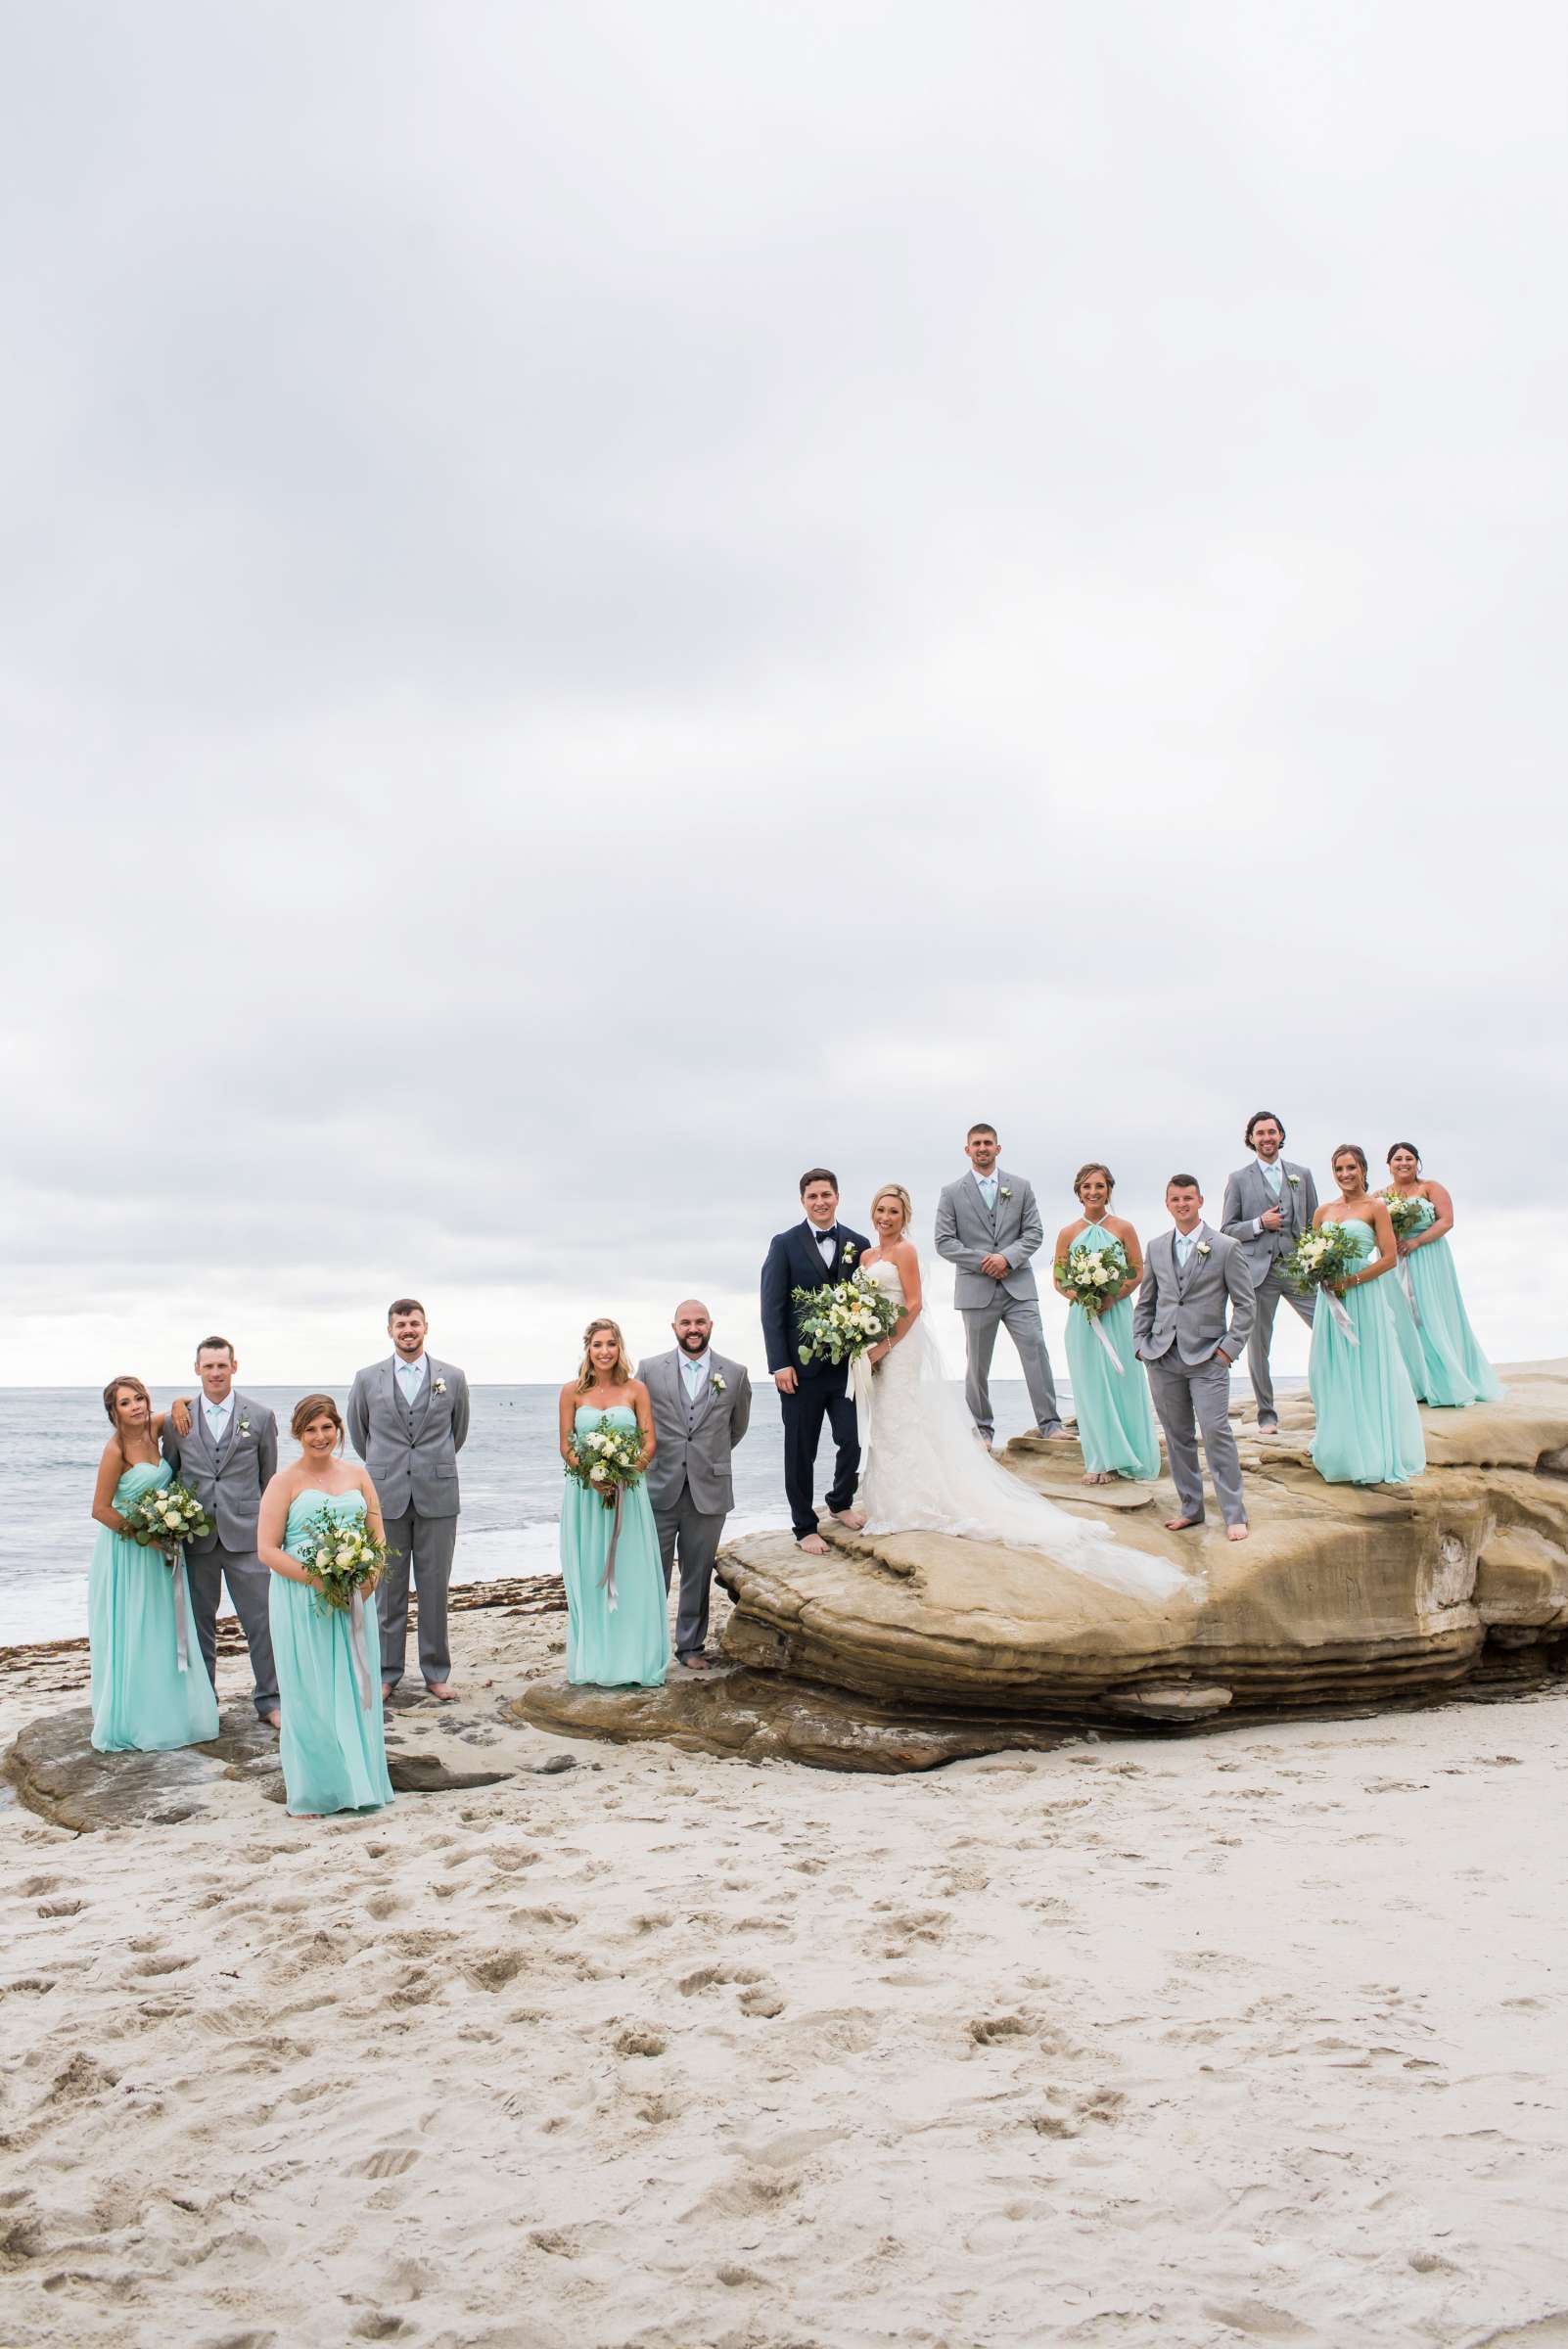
(408, 1422)
(987, 1225)
(1191, 1322)
(1269, 1204)
(812, 1255)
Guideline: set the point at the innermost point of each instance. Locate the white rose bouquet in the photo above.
(345, 1557)
(1318, 1260)
(606, 1460)
(844, 1321)
(166, 1518)
(1409, 1215)
(1093, 1271)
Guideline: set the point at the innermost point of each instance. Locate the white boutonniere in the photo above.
(1004, 1192)
(244, 1427)
(1294, 1182)
(1204, 1248)
(441, 1386)
(849, 1255)
(716, 1381)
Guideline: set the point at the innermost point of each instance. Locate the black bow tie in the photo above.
(828, 1235)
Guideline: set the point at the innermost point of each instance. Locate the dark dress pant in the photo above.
(815, 1399)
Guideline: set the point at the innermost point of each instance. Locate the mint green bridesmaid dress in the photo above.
(1117, 1430)
(1405, 1330)
(1455, 1370)
(333, 1748)
(1369, 1426)
(626, 1646)
(142, 1701)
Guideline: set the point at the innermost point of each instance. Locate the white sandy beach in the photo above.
(1254, 2036)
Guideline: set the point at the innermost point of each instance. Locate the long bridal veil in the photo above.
(927, 1471)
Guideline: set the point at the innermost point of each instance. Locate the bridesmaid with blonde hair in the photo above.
(1117, 1430)
(617, 1620)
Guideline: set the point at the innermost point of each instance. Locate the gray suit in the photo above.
(1179, 1319)
(1247, 1198)
(229, 1482)
(967, 1233)
(689, 1480)
(412, 1459)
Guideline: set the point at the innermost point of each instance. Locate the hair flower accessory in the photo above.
(441, 1386)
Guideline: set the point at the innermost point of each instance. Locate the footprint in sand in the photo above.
(392, 2161)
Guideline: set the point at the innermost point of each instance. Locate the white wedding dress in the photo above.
(927, 1471)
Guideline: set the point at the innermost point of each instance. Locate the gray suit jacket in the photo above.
(695, 1451)
(1248, 1196)
(966, 1234)
(1189, 1311)
(412, 1459)
(229, 1489)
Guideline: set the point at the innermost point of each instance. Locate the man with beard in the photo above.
(702, 1407)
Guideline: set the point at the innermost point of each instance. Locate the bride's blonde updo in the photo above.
(893, 1190)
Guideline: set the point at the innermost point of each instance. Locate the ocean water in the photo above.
(50, 1440)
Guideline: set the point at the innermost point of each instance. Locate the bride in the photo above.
(928, 1470)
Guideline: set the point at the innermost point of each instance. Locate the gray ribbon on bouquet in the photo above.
(356, 1647)
(607, 1579)
(1408, 1286)
(182, 1632)
(1336, 1306)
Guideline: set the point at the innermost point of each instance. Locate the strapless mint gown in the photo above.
(1405, 1330)
(628, 1646)
(142, 1701)
(334, 1749)
(1116, 1424)
(1369, 1426)
(1455, 1370)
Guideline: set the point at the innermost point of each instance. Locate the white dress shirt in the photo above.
(411, 1378)
(218, 1415)
(694, 1369)
(827, 1244)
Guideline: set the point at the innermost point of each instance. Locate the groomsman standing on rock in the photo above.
(226, 1448)
(987, 1225)
(408, 1422)
(702, 1407)
(1191, 1322)
(1269, 1204)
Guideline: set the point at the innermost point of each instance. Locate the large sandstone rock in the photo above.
(1342, 1596)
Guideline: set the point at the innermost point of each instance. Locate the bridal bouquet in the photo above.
(1094, 1272)
(345, 1557)
(166, 1519)
(844, 1321)
(608, 1460)
(1407, 1214)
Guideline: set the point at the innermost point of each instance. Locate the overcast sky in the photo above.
(601, 602)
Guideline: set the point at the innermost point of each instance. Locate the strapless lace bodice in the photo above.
(926, 1469)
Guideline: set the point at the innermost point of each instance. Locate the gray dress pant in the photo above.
(423, 1548)
(249, 1583)
(1178, 1389)
(1020, 1317)
(697, 1535)
(1267, 1294)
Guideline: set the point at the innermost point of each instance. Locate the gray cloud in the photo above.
(604, 602)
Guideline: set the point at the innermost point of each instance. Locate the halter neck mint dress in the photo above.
(1455, 1370)
(1117, 1430)
(626, 1646)
(334, 1749)
(1369, 1426)
(142, 1701)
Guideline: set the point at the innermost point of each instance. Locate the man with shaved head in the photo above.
(702, 1407)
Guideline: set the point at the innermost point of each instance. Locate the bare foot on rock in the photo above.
(814, 1545)
(1179, 1525)
(1236, 1533)
(853, 1518)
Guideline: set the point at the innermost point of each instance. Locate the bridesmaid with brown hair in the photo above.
(1117, 1430)
(149, 1686)
(617, 1621)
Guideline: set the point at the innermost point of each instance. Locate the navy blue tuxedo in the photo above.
(794, 1262)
